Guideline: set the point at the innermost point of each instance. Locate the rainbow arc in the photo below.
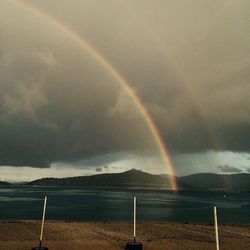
(120, 79)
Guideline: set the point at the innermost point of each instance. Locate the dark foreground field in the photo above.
(22, 235)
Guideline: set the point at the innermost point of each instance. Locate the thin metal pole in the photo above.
(44, 211)
(216, 229)
(134, 219)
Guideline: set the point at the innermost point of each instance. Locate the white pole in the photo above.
(134, 219)
(216, 229)
(44, 211)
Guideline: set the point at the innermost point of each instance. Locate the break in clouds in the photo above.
(187, 61)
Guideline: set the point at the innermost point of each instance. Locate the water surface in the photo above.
(111, 204)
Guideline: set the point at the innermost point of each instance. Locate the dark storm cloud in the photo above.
(61, 106)
(61, 115)
(229, 169)
(188, 62)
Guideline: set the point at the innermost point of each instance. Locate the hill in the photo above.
(207, 181)
(4, 183)
(136, 178)
(131, 178)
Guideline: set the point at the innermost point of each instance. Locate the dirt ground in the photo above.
(23, 235)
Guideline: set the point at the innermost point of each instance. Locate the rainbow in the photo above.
(182, 80)
(115, 74)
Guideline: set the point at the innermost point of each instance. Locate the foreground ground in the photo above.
(22, 235)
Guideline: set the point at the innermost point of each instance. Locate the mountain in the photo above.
(232, 182)
(4, 183)
(137, 178)
(131, 178)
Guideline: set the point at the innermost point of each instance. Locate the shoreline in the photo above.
(123, 221)
(24, 234)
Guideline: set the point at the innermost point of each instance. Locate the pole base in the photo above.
(40, 248)
(134, 246)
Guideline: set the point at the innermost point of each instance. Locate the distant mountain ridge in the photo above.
(4, 183)
(137, 178)
(227, 182)
(131, 178)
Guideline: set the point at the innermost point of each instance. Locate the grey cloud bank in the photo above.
(187, 61)
(229, 169)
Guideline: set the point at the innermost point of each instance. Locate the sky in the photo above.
(62, 113)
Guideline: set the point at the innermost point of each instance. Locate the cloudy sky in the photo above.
(62, 113)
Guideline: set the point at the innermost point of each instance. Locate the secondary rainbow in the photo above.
(173, 66)
(115, 74)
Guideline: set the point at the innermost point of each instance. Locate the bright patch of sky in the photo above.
(185, 164)
(211, 162)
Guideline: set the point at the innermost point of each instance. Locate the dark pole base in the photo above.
(134, 246)
(40, 248)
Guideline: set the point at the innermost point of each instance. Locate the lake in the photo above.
(116, 204)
